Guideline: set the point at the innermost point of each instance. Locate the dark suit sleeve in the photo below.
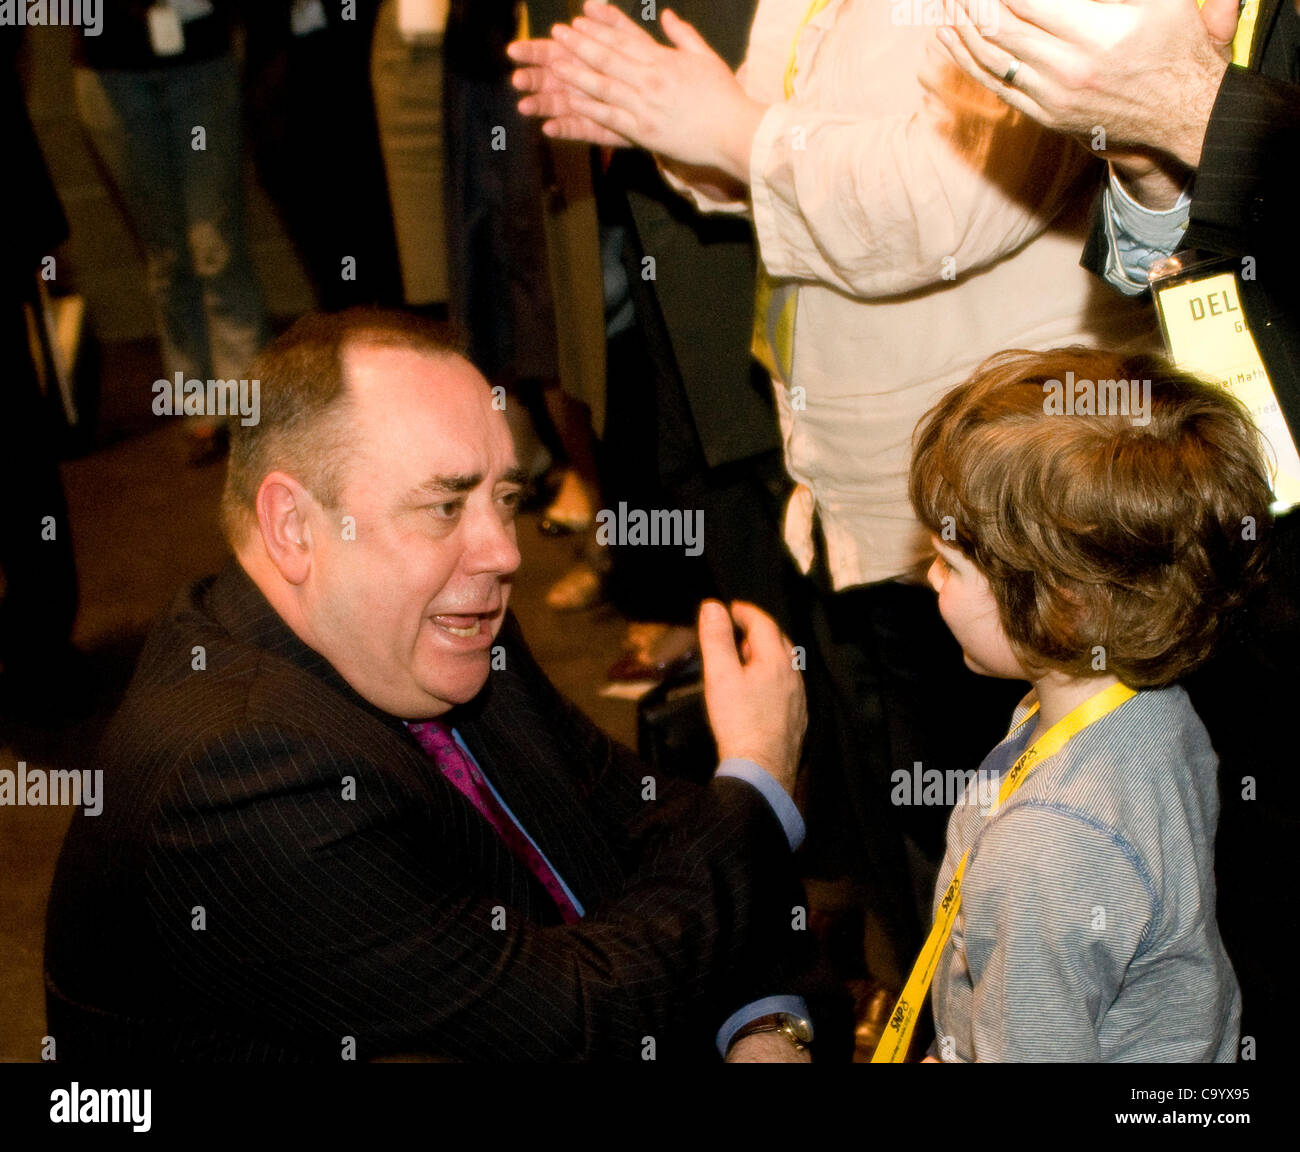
(1241, 196)
(1242, 210)
(1243, 207)
(639, 810)
(327, 917)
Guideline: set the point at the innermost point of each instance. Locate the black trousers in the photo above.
(647, 428)
(315, 137)
(499, 287)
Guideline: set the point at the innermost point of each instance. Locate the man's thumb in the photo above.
(717, 645)
(1220, 20)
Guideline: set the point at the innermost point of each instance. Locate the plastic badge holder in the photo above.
(1201, 318)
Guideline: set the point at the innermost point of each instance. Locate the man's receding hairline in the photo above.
(434, 353)
(387, 340)
(348, 395)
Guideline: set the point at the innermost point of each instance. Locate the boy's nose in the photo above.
(934, 575)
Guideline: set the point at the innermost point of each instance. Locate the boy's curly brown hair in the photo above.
(1098, 529)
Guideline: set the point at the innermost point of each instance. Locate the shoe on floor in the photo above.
(579, 588)
(571, 510)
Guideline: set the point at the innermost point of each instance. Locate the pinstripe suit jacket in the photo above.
(279, 867)
(1243, 204)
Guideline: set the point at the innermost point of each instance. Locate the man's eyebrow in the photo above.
(453, 484)
(459, 482)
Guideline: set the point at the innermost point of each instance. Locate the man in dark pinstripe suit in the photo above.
(281, 872)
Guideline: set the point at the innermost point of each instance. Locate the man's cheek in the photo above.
(460, 680)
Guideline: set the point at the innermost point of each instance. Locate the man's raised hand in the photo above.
(755, 698)
(1144, 71)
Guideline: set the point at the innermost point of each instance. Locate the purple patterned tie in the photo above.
(435, 738)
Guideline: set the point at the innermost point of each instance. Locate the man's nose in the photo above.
(492, 546)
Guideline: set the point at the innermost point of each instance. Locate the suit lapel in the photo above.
(237, 603)
(514, 743)
(519, 751)
(1268, 13)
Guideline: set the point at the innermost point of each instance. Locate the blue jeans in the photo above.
(186, 204)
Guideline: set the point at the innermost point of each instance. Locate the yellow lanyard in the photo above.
(774, 311)
(791, 68)
(1245, 32)
(893, 1046)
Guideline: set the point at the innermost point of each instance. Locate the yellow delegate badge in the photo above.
(1206, 332)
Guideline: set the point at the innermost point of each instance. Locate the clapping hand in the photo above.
(605, 80)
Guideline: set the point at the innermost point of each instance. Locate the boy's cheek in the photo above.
(945, 611)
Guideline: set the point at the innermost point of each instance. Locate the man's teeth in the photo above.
(470, 629)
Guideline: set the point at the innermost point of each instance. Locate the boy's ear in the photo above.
(1084, 615)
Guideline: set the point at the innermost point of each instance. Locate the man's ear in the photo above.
(283, 518)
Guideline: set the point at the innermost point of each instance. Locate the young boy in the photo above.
(1096, 518)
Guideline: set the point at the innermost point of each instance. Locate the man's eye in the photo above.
(447, 511)
(510, 501)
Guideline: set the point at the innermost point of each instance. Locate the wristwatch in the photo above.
(794, 1028)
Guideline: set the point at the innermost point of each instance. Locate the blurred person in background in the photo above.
(158, 92)
(512, 201)
(315, 137)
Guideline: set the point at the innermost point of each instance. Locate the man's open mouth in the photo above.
(459, 625)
